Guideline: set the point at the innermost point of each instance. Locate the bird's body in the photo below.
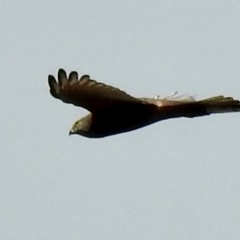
(123, 119)
(113, 111)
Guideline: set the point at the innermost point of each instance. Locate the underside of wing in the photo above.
(85, 92)
(170, 100)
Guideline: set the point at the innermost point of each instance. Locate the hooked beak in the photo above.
(71, 132)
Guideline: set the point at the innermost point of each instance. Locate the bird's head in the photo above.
(81, 127)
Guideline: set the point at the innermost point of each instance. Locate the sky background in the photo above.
(177, 179)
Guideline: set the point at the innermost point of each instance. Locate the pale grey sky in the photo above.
(177, 179)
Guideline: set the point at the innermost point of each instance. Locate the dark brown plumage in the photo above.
(113, 111)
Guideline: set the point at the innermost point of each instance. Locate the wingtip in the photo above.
(85, 77)
(73, 77)
(54, 87)
(61, 71)
(52, 81)
(62, 77)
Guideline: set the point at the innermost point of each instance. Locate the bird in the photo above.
(113, 111)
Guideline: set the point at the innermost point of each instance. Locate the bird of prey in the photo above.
(113, 111)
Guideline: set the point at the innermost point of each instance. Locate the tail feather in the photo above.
(221, 104)
(191, 109)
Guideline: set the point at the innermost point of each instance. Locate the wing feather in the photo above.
(62, 78)
(73, 78)
(86, 92)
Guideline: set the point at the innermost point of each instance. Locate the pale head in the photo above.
(82, 126)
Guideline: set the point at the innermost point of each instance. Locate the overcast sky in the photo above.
(177, 179)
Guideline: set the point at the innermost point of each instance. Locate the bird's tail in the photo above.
(182, 107)
(220, 104)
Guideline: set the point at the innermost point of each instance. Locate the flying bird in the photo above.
(113, 111)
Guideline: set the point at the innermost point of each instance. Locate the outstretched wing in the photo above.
(86, 93)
